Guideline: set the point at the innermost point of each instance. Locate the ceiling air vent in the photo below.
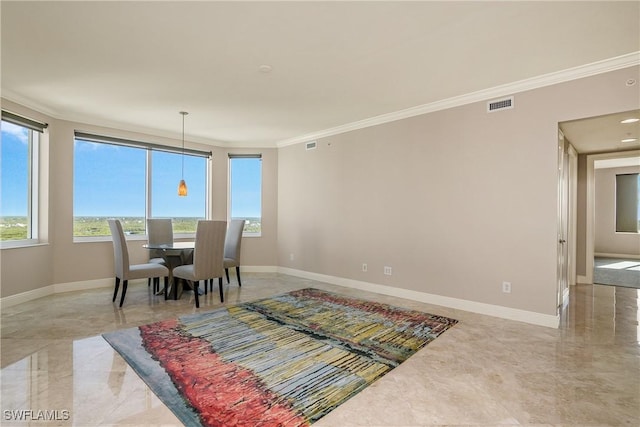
(311, 145)
(500, 104)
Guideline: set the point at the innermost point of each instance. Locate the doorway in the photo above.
(567, 204)
(611, 161)
(610, 136)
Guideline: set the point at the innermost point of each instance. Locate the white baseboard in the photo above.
(54, 289)
(12, 300)
(582, 279)
(608, 255)
(258, 269)
(92, 284)
(83, 285)
(460, 304)
(534, 318)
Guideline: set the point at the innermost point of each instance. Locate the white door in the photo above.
(563, 221)
(572, 199)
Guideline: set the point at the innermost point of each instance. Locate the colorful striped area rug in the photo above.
(287, 360)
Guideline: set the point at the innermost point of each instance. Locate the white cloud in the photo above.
(86, 145)
(17, 131)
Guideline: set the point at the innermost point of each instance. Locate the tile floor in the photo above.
(483, 371)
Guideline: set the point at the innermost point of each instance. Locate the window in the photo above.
(165, 203)
(133, 181)
(245, 191)
(19, 149)
(628, 203)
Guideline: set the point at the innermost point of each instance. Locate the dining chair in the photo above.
(208, 257)
(126, 271)
(159, 232)
(232, 244)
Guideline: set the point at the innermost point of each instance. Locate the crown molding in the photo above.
(12, 96)
(80, 119)
(600, 67)
(89, 121)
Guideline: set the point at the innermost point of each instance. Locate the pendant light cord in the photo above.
(182, 187)
(184, 113)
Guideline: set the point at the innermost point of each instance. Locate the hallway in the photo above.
(617, 272)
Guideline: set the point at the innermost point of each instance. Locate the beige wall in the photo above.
(62, 261)
(26, 269)
(455, 201)
(581, 217)
(607, 241)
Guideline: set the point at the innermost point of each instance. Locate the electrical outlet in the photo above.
(387, 270)
(506, 287)
(364, 267)
(291, 257)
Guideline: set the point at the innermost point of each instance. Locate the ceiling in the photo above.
(604, 133)
(135, 65)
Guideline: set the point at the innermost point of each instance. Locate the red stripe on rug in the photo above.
(222, 393)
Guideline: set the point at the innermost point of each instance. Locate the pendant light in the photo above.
(182, 187)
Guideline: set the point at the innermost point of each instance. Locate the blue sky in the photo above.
(13, 177)
(109, 180)
(246, 187)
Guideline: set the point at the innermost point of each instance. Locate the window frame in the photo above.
(35, 129)
(232, 156)
(149, 149)
(626, 205)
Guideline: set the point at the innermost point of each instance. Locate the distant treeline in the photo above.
(16, 227)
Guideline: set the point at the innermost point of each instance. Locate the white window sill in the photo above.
(252, 235)
(130, 238)
(19, 244)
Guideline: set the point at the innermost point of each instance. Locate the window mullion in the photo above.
(208, 199)
(149, 213)
(32, 209)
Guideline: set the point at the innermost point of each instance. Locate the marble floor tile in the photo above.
(484, 371)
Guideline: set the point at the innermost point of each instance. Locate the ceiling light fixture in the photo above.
(182, 187)
(632, 120)
(629, 140)
(265, 68)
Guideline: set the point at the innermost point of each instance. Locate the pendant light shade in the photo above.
(182, 187)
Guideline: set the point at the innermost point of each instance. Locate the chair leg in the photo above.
(238, 274)
(166, 287)
(149, 281)
(220, 287)
(195, 292)
(226, 271)
(156, 285)
(124, 291)
(205, 286)
(116, 290)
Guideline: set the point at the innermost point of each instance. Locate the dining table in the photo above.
(173, 255)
